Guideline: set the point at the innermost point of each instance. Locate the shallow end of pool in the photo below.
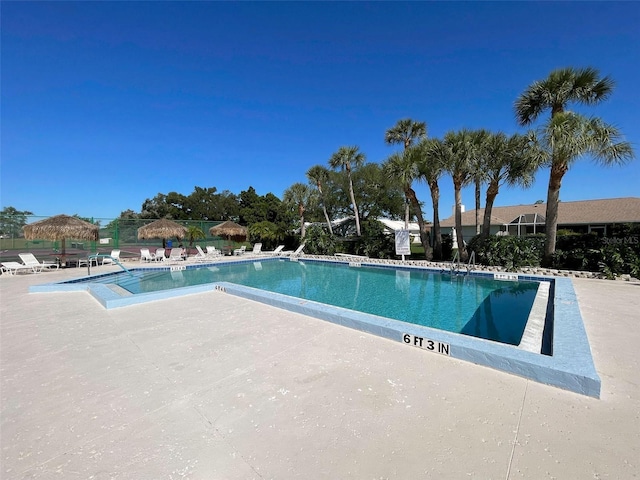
(570, 368)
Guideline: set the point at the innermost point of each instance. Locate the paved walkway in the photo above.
(213, 386)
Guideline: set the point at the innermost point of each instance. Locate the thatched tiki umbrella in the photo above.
(231, 230)
(163, 228)
(61, 227)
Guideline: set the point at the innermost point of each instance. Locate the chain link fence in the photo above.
(114, 233)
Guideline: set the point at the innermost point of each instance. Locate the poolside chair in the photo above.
(257, 248)
(13, 268)
(213, 252)
(85, 261)
(240, 251)
(176, 254)
(115, 257)
(200, 256)
(146, 255)
(296, 253)
(159, 255)
(277, 251)
(30, 260)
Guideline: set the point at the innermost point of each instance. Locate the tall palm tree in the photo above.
(509, 160)
(299, 196)
(319, 175)
(345, 159)
(460, 152)
(405, 132)
(403, 167)
(432, 154)
(479, 160)
(561, 88)
(564, 139)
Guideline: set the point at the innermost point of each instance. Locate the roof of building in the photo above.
(583, 212)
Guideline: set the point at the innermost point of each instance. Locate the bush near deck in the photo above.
(616, 254)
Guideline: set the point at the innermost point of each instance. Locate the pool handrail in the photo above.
(95, 257)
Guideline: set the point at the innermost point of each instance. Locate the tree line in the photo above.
(348, 186)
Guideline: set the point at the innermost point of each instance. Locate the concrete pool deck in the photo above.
(213, 386)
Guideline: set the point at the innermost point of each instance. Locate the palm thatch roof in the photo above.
(60, 227)
(163, 228)
(229, 229)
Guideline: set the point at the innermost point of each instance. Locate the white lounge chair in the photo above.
(146, 255)
(159, 255)
(277, 251)
(13, 268)
(213, 252)
(240, 251)
(295, 253)
(115, 256)
(200, 256)
(176, 254)
(257, 249)
(30, 260)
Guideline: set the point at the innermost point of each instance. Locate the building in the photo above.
(346, 227)
(584, 216)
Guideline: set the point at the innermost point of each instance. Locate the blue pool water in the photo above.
(475, 306)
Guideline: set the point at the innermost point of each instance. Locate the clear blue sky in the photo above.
(105, 104)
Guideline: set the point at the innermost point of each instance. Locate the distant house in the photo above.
(584, 216)
(346, 227)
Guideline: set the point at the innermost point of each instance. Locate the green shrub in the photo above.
(318, 241)
(509, 252)
(374, 242)
(617, 254)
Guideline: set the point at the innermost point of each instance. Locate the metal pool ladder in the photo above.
(95, 257)
(456, 260)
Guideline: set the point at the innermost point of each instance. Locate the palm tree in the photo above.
(564, 139)
(509, 160)
(343, 159)
(405, 132)
(194, 233)
(300, 196)
(319, 175)
(431, 159)
(460, 152)
(479, 160)
(555, 93)
(403, 167)
(561, 87)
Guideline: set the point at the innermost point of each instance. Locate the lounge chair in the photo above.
(213, 252)
(200, 256)
(295, 253)
(240, 251)
(159, 255)
(176, 254)
(13, 268)
(146, 255)
(277, 251)
(30, 260)
(115, 257)
(257, 248)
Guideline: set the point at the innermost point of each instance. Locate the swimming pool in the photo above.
(471, 305)
(399, 289)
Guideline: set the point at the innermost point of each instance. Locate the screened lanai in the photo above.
(526, 224)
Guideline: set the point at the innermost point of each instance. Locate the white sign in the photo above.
(506, 276)
(426, 344)
(403, 242)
